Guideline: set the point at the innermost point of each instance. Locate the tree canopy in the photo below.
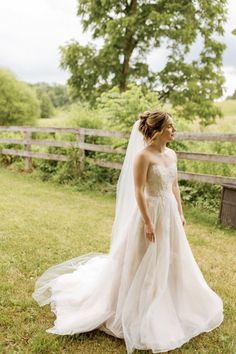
(57, 93)
(18, 102)
(130, 29)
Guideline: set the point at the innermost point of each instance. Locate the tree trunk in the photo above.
(129, 47)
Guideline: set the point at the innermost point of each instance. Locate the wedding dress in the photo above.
(152, 294)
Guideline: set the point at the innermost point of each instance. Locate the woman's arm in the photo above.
(176, 192)
(140, 174)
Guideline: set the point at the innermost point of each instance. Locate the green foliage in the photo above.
(201, 195)
(130, 30)
(114, 109)
(84, 116)
(122, 109)
(118, 111)
(18, 102)
(58, 94)
(81, 115)
(46, 107)
(50, 97)
(60, 171)
(48, 168)
(95, 177)
(92, 177)
(85, 69)
(7, 160)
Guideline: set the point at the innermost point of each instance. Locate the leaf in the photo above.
(129, 30)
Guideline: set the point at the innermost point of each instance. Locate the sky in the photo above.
(31, 32)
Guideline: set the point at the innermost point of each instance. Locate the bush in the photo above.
(203, 195)
(122, 109)
(46, 106)
(18, 102)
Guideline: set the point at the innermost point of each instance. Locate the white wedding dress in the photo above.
(152, 294)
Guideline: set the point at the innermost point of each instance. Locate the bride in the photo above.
(148, 289)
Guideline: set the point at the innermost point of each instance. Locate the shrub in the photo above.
(18, 102)
(203, 195)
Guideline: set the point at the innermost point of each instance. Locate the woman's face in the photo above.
(168, 130)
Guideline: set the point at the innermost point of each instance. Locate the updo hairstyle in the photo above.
(152, 123)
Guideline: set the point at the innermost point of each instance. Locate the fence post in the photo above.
(27, 147)
(80, 139)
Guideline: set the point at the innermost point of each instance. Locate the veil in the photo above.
(125, 193)
(125, 207)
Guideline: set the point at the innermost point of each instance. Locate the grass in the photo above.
(43, 224)
(226, 124)
(60, 120)
(228, 107)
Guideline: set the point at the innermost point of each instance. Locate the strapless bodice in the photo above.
(160, 179)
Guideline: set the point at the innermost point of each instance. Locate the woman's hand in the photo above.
(183, 219)
(149, 231)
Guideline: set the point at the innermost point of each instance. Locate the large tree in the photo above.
(130, 29)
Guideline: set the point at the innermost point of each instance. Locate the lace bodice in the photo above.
(160, 179)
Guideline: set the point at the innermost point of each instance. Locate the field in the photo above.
(228, 107)
(226, 124)
(43, 224)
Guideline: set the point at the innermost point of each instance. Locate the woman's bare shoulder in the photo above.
(142, 156)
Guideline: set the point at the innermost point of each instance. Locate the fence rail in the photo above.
(27, 141)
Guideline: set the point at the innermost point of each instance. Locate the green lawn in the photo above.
(228, 107)
(43, 224)
(60, 120)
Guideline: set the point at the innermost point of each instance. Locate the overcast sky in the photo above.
(31, 32)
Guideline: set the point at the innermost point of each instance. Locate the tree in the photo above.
(130, 29)
(120, 110)
(58, 94)
(18, 102)
(46, 106)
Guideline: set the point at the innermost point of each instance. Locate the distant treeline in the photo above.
(23, 103)
(50, 96)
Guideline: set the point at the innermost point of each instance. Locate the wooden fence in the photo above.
(27, 141)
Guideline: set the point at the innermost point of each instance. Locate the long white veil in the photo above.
(125, 207)
(125, 193)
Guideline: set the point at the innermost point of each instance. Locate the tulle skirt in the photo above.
(152, 294)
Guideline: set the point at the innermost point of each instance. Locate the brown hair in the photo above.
(151, 123)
